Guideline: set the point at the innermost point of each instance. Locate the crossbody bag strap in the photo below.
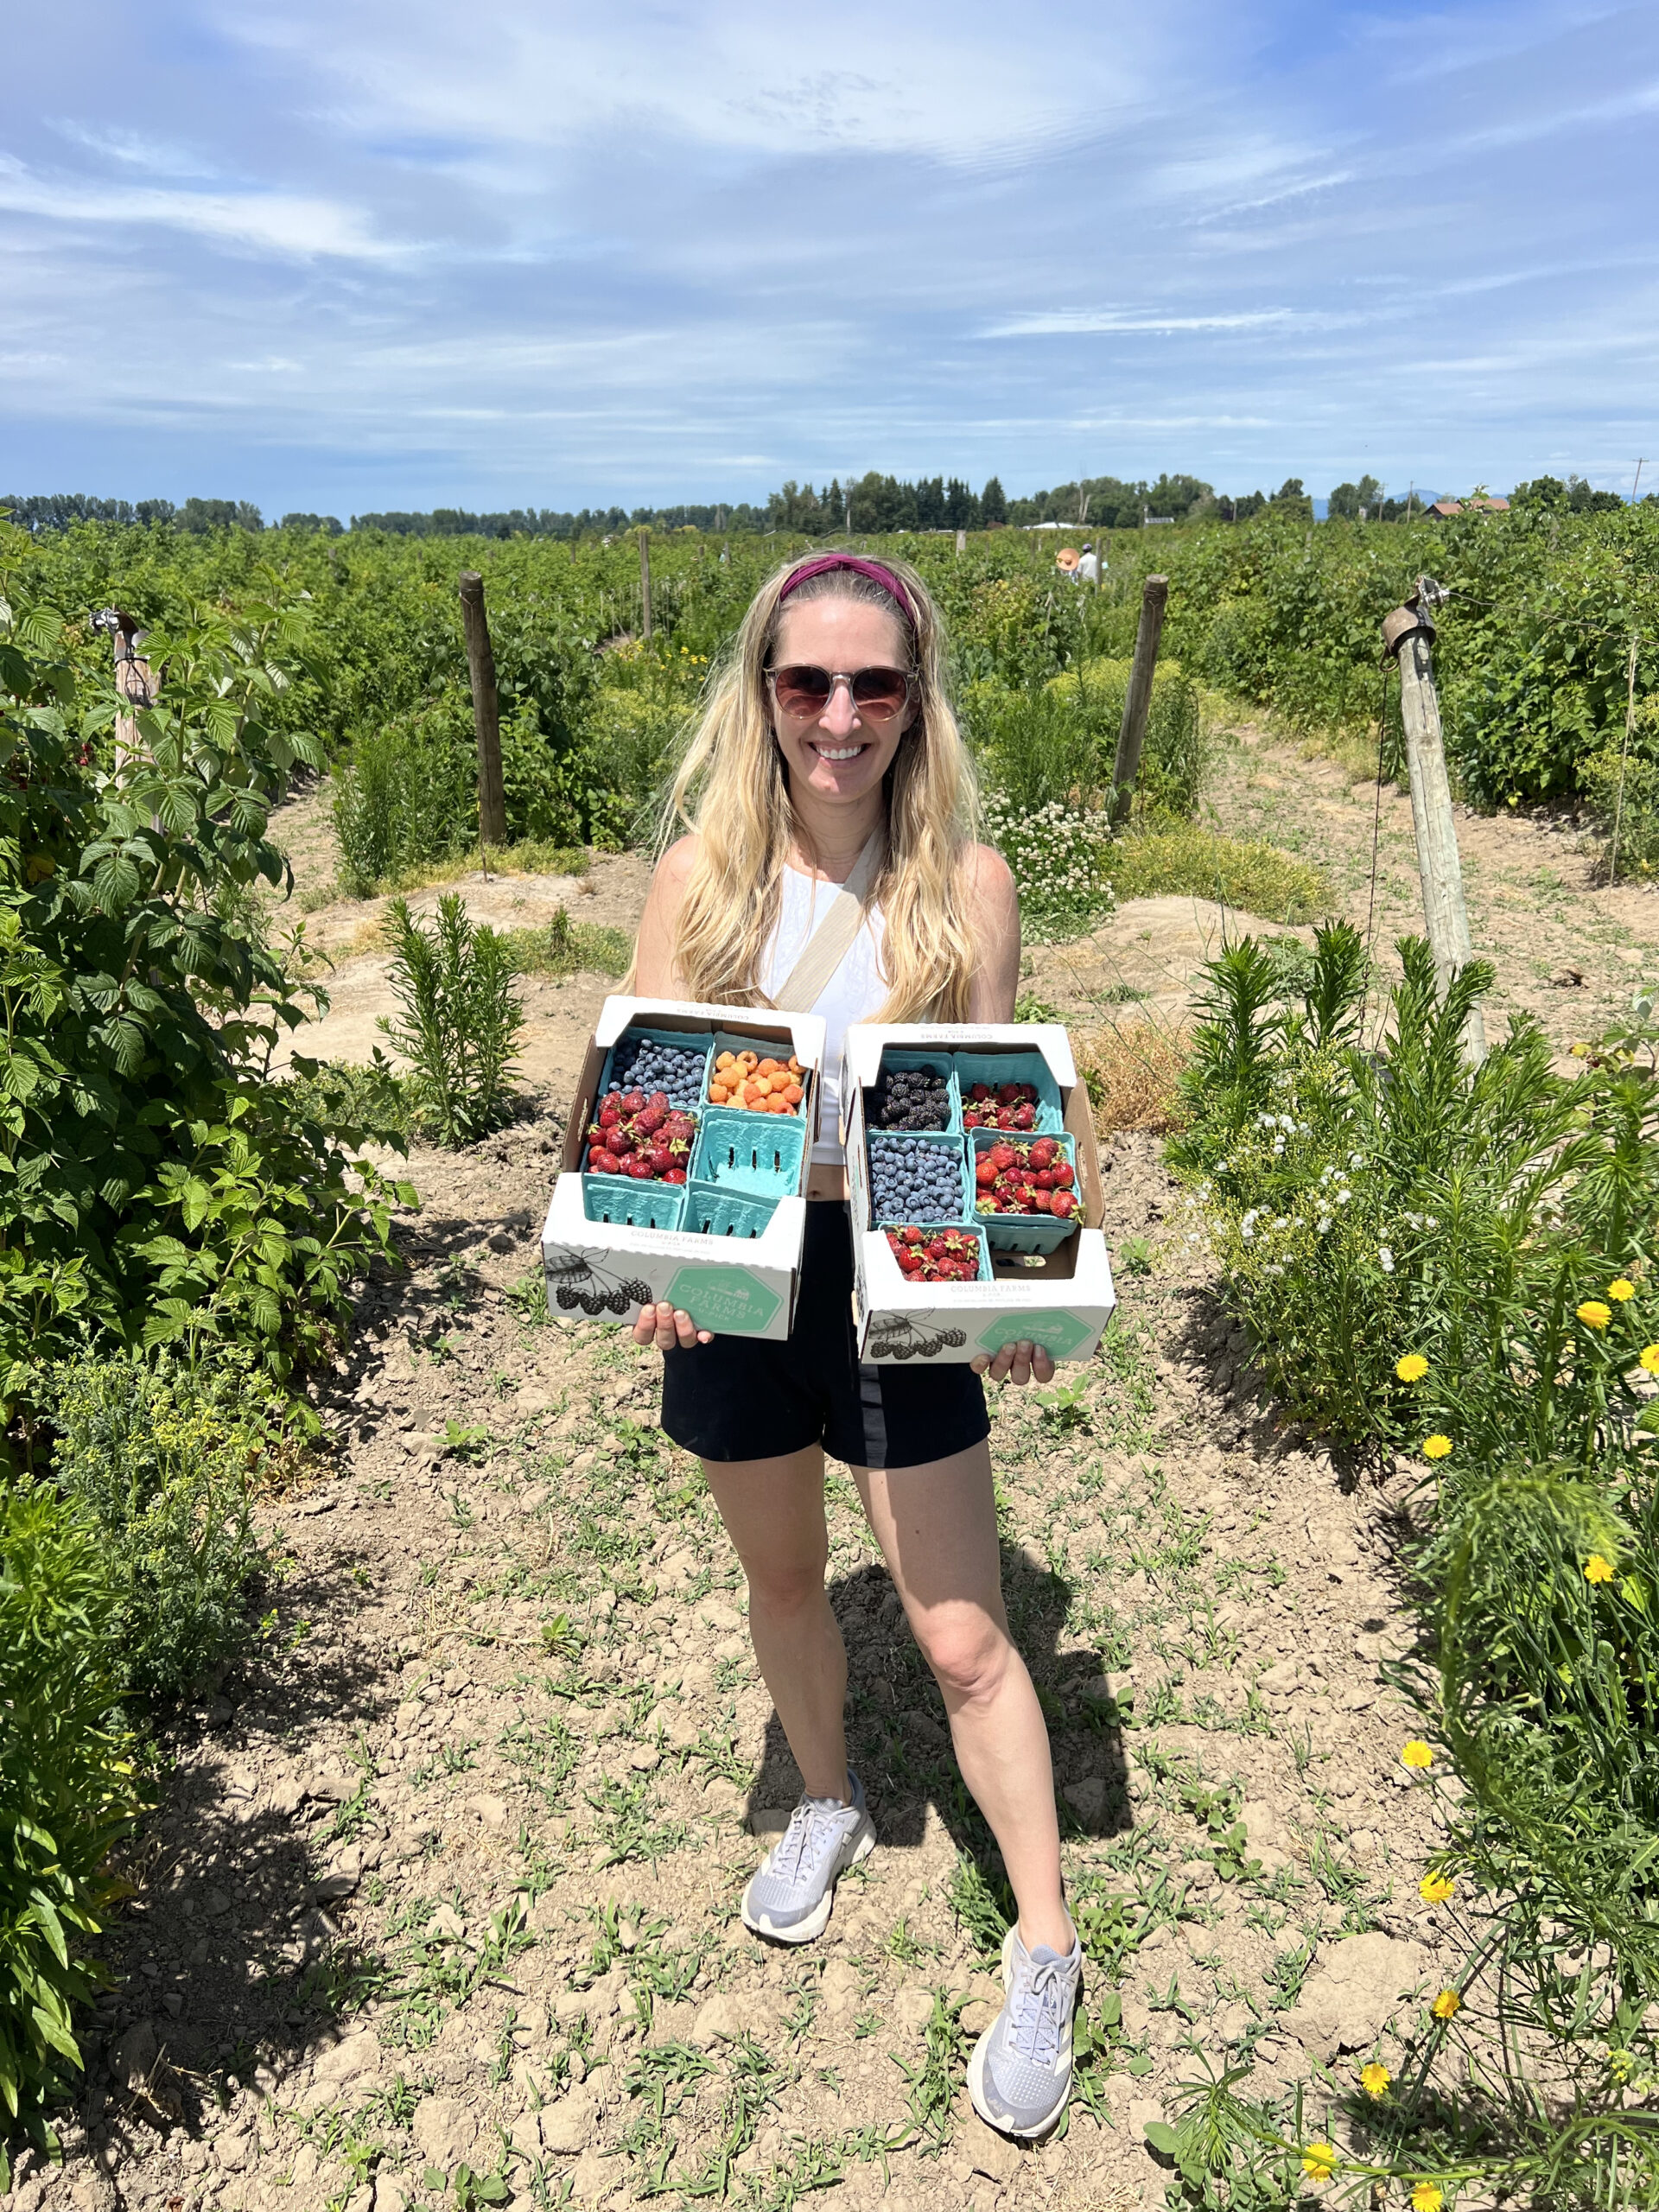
(827, 946)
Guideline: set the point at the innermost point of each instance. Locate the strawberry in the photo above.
(621, 1141)
(1062, 1204)
(985, 1172)
(674, 1175)
(601, 1162)
(970, 1119)
(911, 1235)
(1043, 1152)
(638, 1167)
(633, 1101)
(609, 1113)
(1064, 1175)
(1025, 1116)
(1002, 1156)
(650, 1120)
(910, 1261)
(658, 1159)
(1042, 1201)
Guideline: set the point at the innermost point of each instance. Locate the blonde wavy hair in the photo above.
(732, 791)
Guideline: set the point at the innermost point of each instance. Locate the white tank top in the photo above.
(856, 992)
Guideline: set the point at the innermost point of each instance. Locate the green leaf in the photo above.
(1162, 2137)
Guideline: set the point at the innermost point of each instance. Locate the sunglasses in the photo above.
(804, 691)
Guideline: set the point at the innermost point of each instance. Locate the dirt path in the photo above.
(446, 1874)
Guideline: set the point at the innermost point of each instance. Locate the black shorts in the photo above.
(735, 1399)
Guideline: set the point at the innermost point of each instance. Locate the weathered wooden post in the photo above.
(134, 679)
(644, 583)
(961, 543)
(1154, 597)
(486, 711)
(1408, 633)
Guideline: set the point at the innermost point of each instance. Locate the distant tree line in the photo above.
(872, 504)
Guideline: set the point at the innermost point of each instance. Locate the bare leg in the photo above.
(937, 1525)
(774, 1511)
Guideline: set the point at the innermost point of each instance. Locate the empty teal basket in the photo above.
(710, 1212)
(760, 1153)
(629, 1202)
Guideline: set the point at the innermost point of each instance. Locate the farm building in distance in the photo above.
(1444, 507)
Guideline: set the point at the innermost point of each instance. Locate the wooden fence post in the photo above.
(486, 711)
(644, 582)
(134, 677)
(1154, 597)
(1407, 633)
(961, 543)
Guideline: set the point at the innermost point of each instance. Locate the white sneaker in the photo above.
(1019, 2073)
(790, 1893)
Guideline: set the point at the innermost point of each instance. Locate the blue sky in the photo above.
(354, 256)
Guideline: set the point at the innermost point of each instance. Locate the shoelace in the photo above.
(1037, 2003)
(809, 1824)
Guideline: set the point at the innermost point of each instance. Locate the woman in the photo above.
(829, 752)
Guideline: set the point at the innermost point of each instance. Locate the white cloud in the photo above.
(275, 222)
(1086, 322)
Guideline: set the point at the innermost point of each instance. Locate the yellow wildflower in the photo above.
(1319, 2161)
(1435, 1889)
(1594, 1314)
(1649, 1358)
(1446, 2005)
(1426, 2198)
(1619, 1289)
(1374, 2079)
(1412, 1368)
(1416, 1753)
(1596, 1569)
(1436, 1447)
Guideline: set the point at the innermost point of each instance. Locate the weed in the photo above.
(458, 1019)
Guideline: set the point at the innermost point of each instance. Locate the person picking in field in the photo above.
(829, 756)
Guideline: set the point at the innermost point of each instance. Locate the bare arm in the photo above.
(995, 906)
(654, 976)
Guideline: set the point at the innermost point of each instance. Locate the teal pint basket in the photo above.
(712, 1212)
(692, 1095)
(996, 1068)
(630, 1202)
(759, 1154)
(935, 1140)
(936, 1229)
(896, 1062)
(1024, 1232)
(728, 1040)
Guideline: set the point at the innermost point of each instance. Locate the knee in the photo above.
(968, 1651)
(786, 1587)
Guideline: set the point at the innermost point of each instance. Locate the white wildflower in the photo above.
(1385, 1260)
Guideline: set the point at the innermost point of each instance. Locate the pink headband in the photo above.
(875, 570)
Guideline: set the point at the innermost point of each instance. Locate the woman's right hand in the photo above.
(669, 1329)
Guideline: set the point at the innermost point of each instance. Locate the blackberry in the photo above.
(910, 1098)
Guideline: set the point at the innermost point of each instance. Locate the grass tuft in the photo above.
(1133, 1070)
(1188, 861)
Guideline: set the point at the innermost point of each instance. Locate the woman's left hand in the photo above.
(1017, 1363)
